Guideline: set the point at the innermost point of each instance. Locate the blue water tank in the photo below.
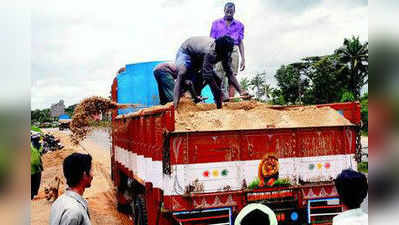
(137, 85)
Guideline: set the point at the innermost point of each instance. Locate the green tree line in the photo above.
(43, 115)
(337, 77)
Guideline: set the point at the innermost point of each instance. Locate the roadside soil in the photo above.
(101, 194)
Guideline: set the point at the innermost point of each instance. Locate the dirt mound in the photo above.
(252, 115)
(101, 195)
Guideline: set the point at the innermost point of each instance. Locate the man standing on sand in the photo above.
(201, 54)
(234, 29)
(71, 208)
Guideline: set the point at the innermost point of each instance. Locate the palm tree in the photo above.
(245, 83)
(257, 82)
(266, 91)
(354, 55)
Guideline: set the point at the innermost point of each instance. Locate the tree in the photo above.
(347, 96)
(70, 109)
(277, 97)
(35, 115)
(259, 83)
(327, 82)
(291, 83)
(354, 55)
(266, 90)
(245, 84)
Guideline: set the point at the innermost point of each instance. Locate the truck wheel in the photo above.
(140, 211)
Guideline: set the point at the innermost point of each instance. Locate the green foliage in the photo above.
(347, 97)
(259, 84)
(278, 98)
(290, 83)
(245, 83)
(254, 184)
(41, 116)
(282, 182)
(36, 129)
(363, 167)
(324, 79)
(69, 110)
(44, 115)
(354, 56)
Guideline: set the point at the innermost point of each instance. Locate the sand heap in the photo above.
(252, 115)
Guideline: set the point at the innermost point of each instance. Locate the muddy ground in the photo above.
(101, 194)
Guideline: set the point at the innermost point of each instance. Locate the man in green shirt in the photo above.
(36, 166)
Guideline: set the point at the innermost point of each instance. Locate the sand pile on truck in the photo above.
(234, 116)
(252, 115)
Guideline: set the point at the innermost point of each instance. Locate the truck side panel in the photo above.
(224, 160)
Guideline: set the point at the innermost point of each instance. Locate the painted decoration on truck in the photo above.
(315, 169)
(268, 170)
(202, 203)
(230, 175)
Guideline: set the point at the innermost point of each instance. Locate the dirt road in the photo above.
(101, 194)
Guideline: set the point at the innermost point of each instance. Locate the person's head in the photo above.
(256, 217)
(77, 170)
(256, 213)
(229, 10)
(224, 46)
(352, 188)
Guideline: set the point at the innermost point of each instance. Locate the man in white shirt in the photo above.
(352, 188)
(71, 208)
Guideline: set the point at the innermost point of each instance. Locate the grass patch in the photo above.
(254, 184)
(36, 129)
(363, 167)
(281, 182)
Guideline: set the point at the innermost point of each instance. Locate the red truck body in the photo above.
(164, 163)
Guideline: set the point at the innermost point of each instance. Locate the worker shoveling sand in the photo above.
(85, 112)
(252, 115)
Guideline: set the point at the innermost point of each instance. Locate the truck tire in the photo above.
(140, 211)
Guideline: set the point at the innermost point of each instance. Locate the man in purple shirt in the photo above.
(234, 29)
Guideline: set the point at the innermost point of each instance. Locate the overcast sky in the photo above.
(77, 46)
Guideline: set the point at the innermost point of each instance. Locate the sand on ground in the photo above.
(101, 195)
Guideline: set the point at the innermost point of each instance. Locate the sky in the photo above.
(78, 46)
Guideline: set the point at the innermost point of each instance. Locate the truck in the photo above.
(64, 121)
(208, 177)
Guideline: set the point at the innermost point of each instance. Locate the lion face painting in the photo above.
(268, 170)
